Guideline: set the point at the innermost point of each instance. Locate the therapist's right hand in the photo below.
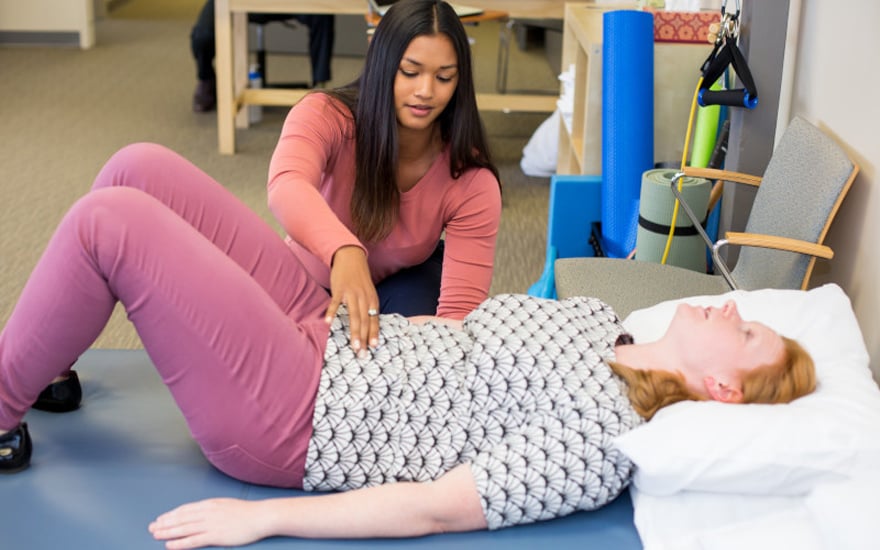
(352, 285)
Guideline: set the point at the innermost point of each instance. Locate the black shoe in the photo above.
(62, 396)
(205, 96)
(15, 450)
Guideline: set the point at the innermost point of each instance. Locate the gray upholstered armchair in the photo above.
(805, 182)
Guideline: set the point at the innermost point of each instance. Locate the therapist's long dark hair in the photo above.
(370, 98)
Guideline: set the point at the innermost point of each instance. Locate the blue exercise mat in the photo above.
(100, 474)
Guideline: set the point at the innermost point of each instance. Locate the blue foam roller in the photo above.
(627, 123)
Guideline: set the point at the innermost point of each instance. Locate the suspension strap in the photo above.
(724, 54)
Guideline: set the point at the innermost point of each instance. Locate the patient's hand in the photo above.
(213, 522)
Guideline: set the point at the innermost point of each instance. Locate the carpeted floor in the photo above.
(65, 111)
(155, 9)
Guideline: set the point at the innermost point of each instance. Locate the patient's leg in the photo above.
(206, 205)
(213, 333)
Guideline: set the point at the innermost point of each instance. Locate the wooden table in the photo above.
(231, 59)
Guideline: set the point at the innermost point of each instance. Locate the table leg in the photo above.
(224, 69)
(506, 28)
(240, 66)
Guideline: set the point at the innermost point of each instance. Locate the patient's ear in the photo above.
(721, 391)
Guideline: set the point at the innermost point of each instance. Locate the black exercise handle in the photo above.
(721, 57)
(733, 98)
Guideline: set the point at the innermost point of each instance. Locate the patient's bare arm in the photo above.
(396, 510)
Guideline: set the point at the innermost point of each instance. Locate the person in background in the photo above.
(321, 35)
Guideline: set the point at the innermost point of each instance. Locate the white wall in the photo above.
(836, 85)
(50, 16)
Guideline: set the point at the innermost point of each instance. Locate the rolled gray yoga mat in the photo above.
(656, 204)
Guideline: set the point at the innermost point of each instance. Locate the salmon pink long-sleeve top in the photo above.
(311, 180)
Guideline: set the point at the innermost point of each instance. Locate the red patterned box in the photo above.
(684, 26)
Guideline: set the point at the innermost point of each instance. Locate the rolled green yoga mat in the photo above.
(655, 214)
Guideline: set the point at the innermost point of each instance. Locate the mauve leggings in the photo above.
(227, 314)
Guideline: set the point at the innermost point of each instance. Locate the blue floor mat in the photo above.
(100, 474)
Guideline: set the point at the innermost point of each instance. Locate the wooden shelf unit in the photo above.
(676, 71)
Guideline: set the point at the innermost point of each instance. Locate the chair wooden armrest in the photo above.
(779, 243)
(765, 241)
(723, 175)
(719, 177)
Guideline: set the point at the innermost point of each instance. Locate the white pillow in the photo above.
(766, 449)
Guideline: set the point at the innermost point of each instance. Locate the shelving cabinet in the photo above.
(676, 72)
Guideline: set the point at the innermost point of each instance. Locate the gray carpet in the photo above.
(64, 111)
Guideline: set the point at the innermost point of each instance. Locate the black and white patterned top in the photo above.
(523, 394)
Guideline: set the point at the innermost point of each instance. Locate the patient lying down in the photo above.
(558, 403)
(507, 421)
(506, 418)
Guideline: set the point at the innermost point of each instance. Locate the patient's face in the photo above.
(719, 338)
(425, 82)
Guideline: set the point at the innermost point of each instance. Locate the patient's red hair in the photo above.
(793, 376)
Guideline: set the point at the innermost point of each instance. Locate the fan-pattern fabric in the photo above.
(523, 394)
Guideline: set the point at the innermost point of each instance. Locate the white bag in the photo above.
(542, 150)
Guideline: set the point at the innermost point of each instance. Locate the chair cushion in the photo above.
(627, 285)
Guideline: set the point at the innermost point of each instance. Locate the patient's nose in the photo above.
(729, 310)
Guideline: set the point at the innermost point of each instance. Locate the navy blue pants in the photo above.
(321, 35)
(414, 290)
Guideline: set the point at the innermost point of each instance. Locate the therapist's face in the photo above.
(425, 81)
